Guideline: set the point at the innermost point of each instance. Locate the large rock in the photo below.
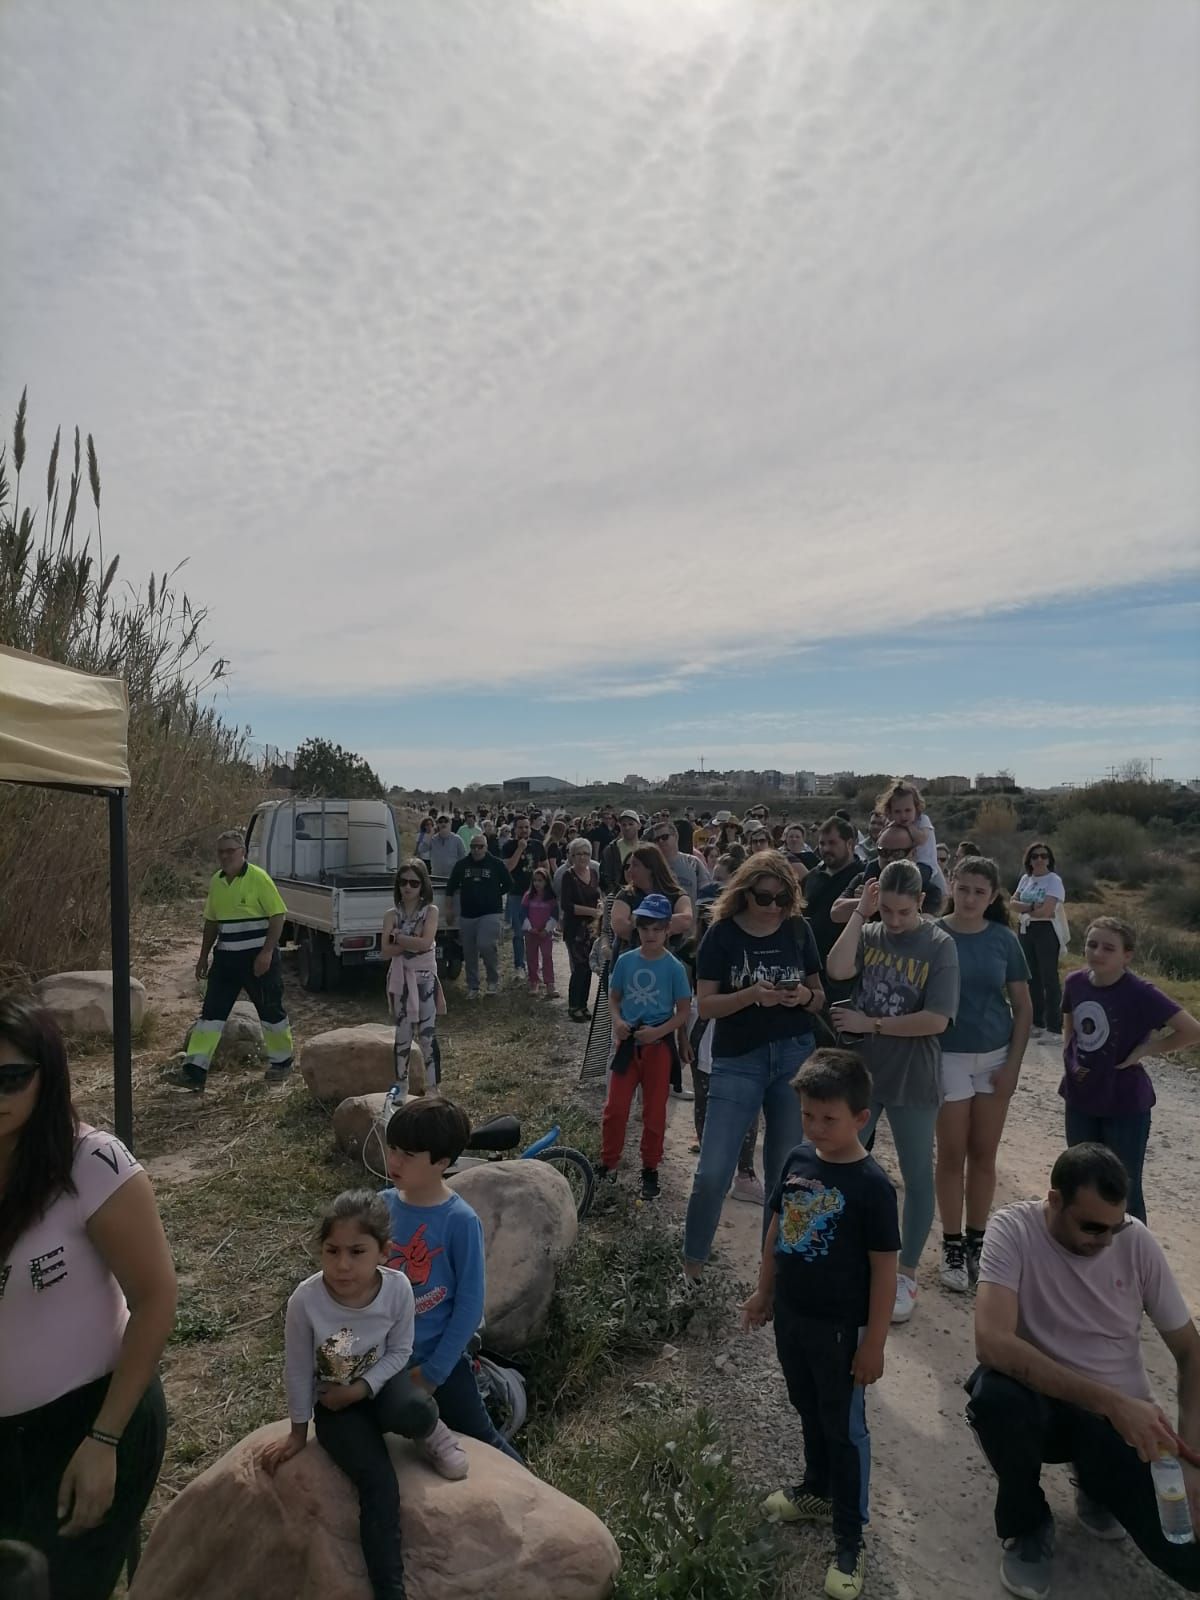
(499, 1534)
(529, 1224)
(82, 1002)
(355, 1117)
(242, 1035)
(349, 1061)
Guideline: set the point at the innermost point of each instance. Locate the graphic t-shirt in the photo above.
(532, 856)
(831, 1214)
(327, 1342)
(62, 1313)
(735, 959)
(649, 989)
(439, 1249)
(1108, 1022)
(1034, 890)
(480, 884)
(987, 963)
(898, 975)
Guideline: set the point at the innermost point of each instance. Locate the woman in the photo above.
(758, 838)
(579, 903)
(555, 845)
(905, 996)
(425, 831)
(414, 994)
(646, 872)
(795, 849)
(1036, 902)
(758, 978)
(87, 1307)
(982, 1050)
(730, 831)
(943, 860)
(708, 854)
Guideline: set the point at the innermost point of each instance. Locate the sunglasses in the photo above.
(660, 838)
(895, 855)
(761, 898)
(16, 1076)
(1097, 1230)
(1039, 855)
(410, 883)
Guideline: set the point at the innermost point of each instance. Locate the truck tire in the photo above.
(311, 963)
(334, 971)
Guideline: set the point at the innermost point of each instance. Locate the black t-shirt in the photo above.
(534, 855)
(480, 885)
(808, 859)
(686, 831)
(831, 1215)
(821, 889)
(735, 959)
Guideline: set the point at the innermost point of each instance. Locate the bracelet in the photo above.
(104, 1438)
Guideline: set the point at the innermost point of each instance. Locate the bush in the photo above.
(1128, 797)
(1173, 955)
(1112, 846)
(996, 815)
(1181, 903)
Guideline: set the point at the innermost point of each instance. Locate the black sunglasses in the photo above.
(1099, 1229)
(1039, 855)
(660, 838)
(895, 855)
(410, 883)
(760, 898)
(16, 1076)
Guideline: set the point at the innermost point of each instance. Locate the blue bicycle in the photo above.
(498, 1139)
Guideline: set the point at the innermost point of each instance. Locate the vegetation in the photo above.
(325, 768)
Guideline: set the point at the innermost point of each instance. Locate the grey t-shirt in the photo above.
(899, 974)
(443, 853)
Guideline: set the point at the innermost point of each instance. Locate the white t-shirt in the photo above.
(327, 1341)
(62, 1313)
(1035, 890)
(927, 851)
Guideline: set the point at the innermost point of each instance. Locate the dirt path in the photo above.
(931, 1492)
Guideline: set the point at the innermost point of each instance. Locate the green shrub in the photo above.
(1112, 846)
(1130, 797)
(1173, 955)
(1180, 902)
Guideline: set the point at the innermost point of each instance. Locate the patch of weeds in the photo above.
(685, 1526)
(195, 1325)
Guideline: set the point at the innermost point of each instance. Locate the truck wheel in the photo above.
(311, 962)
(334, 971)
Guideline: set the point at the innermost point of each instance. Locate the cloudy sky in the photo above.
(586, 386)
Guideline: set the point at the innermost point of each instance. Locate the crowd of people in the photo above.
(810, 990)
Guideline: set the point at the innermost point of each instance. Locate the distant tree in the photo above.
(1133, 771)
(327, 769)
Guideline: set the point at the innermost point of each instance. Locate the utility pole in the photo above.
(1154, 761)
(702, 765)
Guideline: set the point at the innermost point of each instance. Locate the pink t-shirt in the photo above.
(1085, 1311)
(62, 1313)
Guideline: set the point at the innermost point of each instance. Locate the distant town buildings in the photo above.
(535, 785)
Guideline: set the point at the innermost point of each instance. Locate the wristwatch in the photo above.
(878, 1021)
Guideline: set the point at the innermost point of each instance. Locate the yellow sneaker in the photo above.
(797, 1505)
(846, 1575)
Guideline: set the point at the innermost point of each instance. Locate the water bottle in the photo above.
(1170, 1491)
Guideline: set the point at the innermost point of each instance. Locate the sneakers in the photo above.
(1095, 1518)
(694, 1148)
(550, 994)
(474, 994)
(604, 1174)
(493, 988)
(797, 1505)
(682, 1094)
(906, 1297)
(1027, 1565)
(847, 1572)
(649, 1183)
(276, 1077)
(974, 1251)
(747, 1187)
(186, 1076)
(444, 1453)
(577, 1015)
(954, 1275)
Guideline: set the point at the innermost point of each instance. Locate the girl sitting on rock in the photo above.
(348, 1338)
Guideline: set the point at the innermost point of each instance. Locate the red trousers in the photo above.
(651, 1067)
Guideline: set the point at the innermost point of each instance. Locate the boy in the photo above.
(437, 1242)
(828, 1277)
(649, 996)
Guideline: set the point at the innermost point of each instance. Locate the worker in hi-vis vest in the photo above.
(243, 919)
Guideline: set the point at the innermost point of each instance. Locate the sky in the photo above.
(587, 386)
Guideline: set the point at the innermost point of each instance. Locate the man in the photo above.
(603, 833)
(243, 917)
(1063, 1284)
(685, 830)
(895, 843)
(612, 862)
(469, 828)
(520, 855)
(475, 894)
(825, 883)
(689, 871)
(868, 849)
(795, 847)
(446, 849)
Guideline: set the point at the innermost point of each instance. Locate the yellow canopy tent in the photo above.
(64, 729)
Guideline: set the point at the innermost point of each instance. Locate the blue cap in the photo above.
(655, 907)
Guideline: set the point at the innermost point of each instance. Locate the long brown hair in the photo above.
(41, 1163)
(662, 879)
(415, 864)
(735, 896)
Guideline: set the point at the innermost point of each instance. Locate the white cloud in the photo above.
(463, 343)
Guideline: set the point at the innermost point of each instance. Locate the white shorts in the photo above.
(965, 1076)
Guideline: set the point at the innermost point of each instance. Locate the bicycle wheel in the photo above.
(577, 1170)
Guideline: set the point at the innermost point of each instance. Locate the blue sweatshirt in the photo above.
(440, 1251)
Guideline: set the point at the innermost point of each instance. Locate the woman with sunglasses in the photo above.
(1036, 901)
(758, 838)
(413, 991)
(88, 1304)
(758, 978)
(646, 872)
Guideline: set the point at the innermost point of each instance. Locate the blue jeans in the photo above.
(741, 1087)
(912, 1134)
(1125, 1137)
(461, 1408)
(514, 915)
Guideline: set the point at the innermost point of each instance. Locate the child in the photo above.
(437, 1242)
(901, 803)
(828, 1277)
(649, 996)
(348, 1337)
(541, 920)
(24, 1574)
(1109, 1018)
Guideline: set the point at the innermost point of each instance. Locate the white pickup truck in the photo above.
(334, 862)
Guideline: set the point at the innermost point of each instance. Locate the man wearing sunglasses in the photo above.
(1063, 1283)
(689, 872)
(895, 844)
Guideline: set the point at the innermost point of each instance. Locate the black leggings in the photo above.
(580, 985)
(1040, 944)
(35, 1449)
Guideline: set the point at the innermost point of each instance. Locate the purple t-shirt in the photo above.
(1108, 1021)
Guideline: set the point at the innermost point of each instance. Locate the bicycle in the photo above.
(500, 1136)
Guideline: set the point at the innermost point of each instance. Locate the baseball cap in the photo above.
(633, 815)
(655, 908)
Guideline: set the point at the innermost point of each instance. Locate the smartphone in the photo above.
(788, 983)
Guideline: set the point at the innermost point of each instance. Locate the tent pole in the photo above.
(118, 859)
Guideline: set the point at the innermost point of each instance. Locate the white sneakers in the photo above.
(747, 1186)
(444, 1453)
(954, 1275)
(906, 1297)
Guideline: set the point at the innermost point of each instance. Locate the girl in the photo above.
(87, 1302)
(982, 1050)
(580, 903)
(541, 921)
(348, 1337)
(905, 996)
(901, 802)
(1110, 1017)
(425, 832)
(414, 993)
(758, 975)
(555, 844)
(1039, 895)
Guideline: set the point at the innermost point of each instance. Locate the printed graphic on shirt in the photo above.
(1091, 1025)
(336, 1361)
(891, 985)
(415, 1261)
(808, 1218)
(763, 971)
